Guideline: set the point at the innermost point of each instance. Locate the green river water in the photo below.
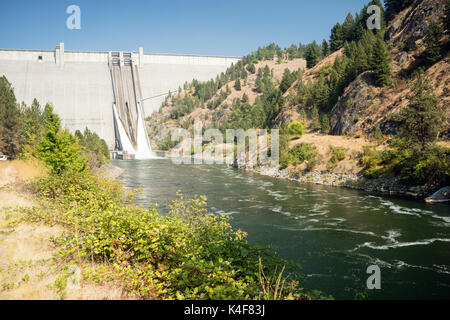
(333, 233)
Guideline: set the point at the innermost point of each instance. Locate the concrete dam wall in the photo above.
(83, 86)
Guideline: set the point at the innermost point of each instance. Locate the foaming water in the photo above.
(334, 233)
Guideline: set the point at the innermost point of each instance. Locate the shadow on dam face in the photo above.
(80, 86)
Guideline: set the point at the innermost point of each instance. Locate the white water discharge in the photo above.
(125, 141)
(143, 149)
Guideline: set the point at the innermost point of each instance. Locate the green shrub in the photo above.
(325, 124)
(304, 152)
(296, 129)
(372, 161)
(431, 166)
(337, 154)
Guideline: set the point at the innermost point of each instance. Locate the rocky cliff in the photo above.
(364, 106)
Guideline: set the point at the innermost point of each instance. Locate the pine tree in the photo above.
(423, 119)
(347, 27)
(380, 64)
(325, 124)
(325, 48)
(292, 52)
(433, 53)
(237, 85)
(32, 123)
(362, 61)
(266, 71)
(315, 123)
(337, 37)
(10, 120)
(303, 116)
(287, 80)
(252, 68)
(313, 54)
(321, 92)
(414, 151)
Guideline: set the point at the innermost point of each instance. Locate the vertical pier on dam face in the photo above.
(79, 84)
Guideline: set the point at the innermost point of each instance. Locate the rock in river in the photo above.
(443, 195)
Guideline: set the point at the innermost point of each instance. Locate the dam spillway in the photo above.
(84, 86)
(129, 126)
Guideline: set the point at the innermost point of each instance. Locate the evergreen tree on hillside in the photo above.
(423, 119)
(266, 71)
(287, 81)
(273, 101)
(292, 52)
(347, 27)
(252, 68)
(362, 61)
(301, 51)
(380, 63)
(433, 53)
(337, 37)
(414, 151)
(259, 85)
(325, 48)
(313, 54)
(320, 92)
(325, 124)
(237, 84)
(315, 123)
(10, 120)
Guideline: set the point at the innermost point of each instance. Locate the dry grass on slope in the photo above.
(324, 143)
(28, 269)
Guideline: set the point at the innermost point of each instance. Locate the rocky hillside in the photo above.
(372, 105)
(275, 91)
(162, 122)
(362, 106)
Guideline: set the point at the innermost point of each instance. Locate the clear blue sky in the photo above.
(233, 27)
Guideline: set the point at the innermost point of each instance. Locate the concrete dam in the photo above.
(111, 93)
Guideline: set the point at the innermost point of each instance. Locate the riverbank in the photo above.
(383, 186)
(356, 181)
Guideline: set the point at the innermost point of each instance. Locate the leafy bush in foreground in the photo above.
(296, 129)
(188, 254)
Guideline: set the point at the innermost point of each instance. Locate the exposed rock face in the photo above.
(345, 113)
(442, 195)
(402, 57)
(411, 25)
(363, 106)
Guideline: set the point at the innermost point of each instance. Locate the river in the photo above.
(333, 233)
